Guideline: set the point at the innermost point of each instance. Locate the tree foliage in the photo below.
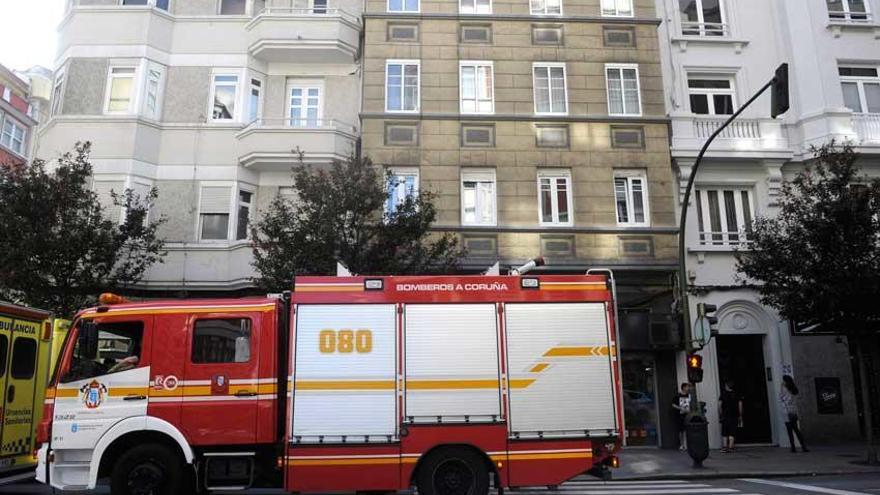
(339, 215)
(58, 249)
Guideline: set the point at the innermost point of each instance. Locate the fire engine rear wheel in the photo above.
(149, 469)
(453, 471)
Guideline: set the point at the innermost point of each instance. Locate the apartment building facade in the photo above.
(209, 101)
(716, 54)
(17, 118)
(540, 127)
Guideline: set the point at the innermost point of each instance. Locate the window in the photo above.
(57, 92)
(224, 94)
(403, 5)
(619, 36)
(702, 18)
(233, 7)
(153, 93)
(214, 213)
(402, 32)
(104, 190)
(402, 86)
(475, 6)
(255, 101)
(554, 198)
(477, 87)
(478, 197)
(547, 35)
(627, 137)
(244, 214)
(623, 90)
(861, 89)
(4, 351)
(476, 33)
(550, 91)
(401, 134)
(13, 135)
(478, 135)
(119, 349)
(545, 7)
(849, 10)
(221, 341)
(305, 103)
(402, 184)
(617, 8)
(7, 93)
(631, 198)
(120, 87)
(24, 358)
(551, 136)
(711, 96)
(162, 4)
(724, 216)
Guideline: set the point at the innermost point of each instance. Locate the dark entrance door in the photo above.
(741, 359)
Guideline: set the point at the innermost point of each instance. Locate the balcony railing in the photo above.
(301, 123)
(867, 126)
(850, 17)
(738, 129)
(706, 29)
(722, 240)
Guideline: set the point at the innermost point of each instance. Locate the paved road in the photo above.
(863, 484)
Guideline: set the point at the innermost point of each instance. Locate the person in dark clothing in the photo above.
(788, 399)
(731, 408)
(682, 404)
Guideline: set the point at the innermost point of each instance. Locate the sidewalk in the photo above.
(644, 463)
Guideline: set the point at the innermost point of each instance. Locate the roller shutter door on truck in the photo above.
(344, 373)
(451, 362)
(560, 369)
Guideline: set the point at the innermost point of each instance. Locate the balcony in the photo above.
(743, 138)
(318, 34)
(706, 29)
(116, 25)
(867, 127)
(274, 144)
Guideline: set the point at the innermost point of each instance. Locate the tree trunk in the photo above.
(862, 343)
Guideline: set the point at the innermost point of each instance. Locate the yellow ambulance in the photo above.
(26, 352)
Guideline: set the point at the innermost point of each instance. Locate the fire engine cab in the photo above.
(447, 383)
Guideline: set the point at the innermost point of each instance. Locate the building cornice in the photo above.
(513, 17)
(514, 117)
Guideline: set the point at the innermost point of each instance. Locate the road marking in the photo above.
(663, 490)
(799, 486)
(642, 482)
(645, 485)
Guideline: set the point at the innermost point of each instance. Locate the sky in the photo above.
(27, 32)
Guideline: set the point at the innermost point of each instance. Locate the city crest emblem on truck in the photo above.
(93, 394)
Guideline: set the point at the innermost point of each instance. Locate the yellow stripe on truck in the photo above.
(577, 351)
(345, 385)
(450, 384)
(560, 455)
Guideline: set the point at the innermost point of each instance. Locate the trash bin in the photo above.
(697, 431)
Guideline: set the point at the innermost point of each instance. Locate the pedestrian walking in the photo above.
(682, 404)
(788, 398)
(731, 408)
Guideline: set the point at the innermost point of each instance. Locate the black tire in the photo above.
(149, 469)
(453, 471)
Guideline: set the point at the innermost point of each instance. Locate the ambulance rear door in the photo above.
(19, 385)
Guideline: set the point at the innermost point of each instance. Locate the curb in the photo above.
(698, 475)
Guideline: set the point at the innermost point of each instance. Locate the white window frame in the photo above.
(556, 174)
(304, 84)
(129, 183)
(860, 81)
(15, 124)
(133, 95)
(242, 187)
(57, 94)
(549, 65)
(403, 10)
(621, 67)
(543, 10)
(705, 236)
(232, 210)
(629, 176)
(255, 116)
(160, 91)
(403, 63)
(237, 113)
(476, 64)
(475, 10)
(248, 5)
(403, 171)
(848, 14)
(7, 93)
(479, 175)
(615, 5)
(700, 25)
(710, 92)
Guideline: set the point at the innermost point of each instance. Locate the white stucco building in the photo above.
(717, 54)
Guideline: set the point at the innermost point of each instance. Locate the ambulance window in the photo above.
(119, 349)
(24, 358)
(4, 349)
(222, 341)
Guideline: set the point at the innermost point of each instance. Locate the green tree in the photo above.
(339, 215)
(818, 260)
(58, 250)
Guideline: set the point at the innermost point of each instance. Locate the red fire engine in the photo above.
(450, 384)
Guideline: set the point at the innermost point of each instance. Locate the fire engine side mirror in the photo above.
(87, 339)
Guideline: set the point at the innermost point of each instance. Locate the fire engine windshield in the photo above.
(118, 349)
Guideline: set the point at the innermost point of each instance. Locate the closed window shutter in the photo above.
(215, 200)
(105, 198)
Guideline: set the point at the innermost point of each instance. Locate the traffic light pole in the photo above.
(697, 434)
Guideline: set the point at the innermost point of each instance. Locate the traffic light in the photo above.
(706, 315)
(695, 368)
(779, 92)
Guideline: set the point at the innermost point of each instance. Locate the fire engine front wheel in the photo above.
(453, 471)
(149, 469)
